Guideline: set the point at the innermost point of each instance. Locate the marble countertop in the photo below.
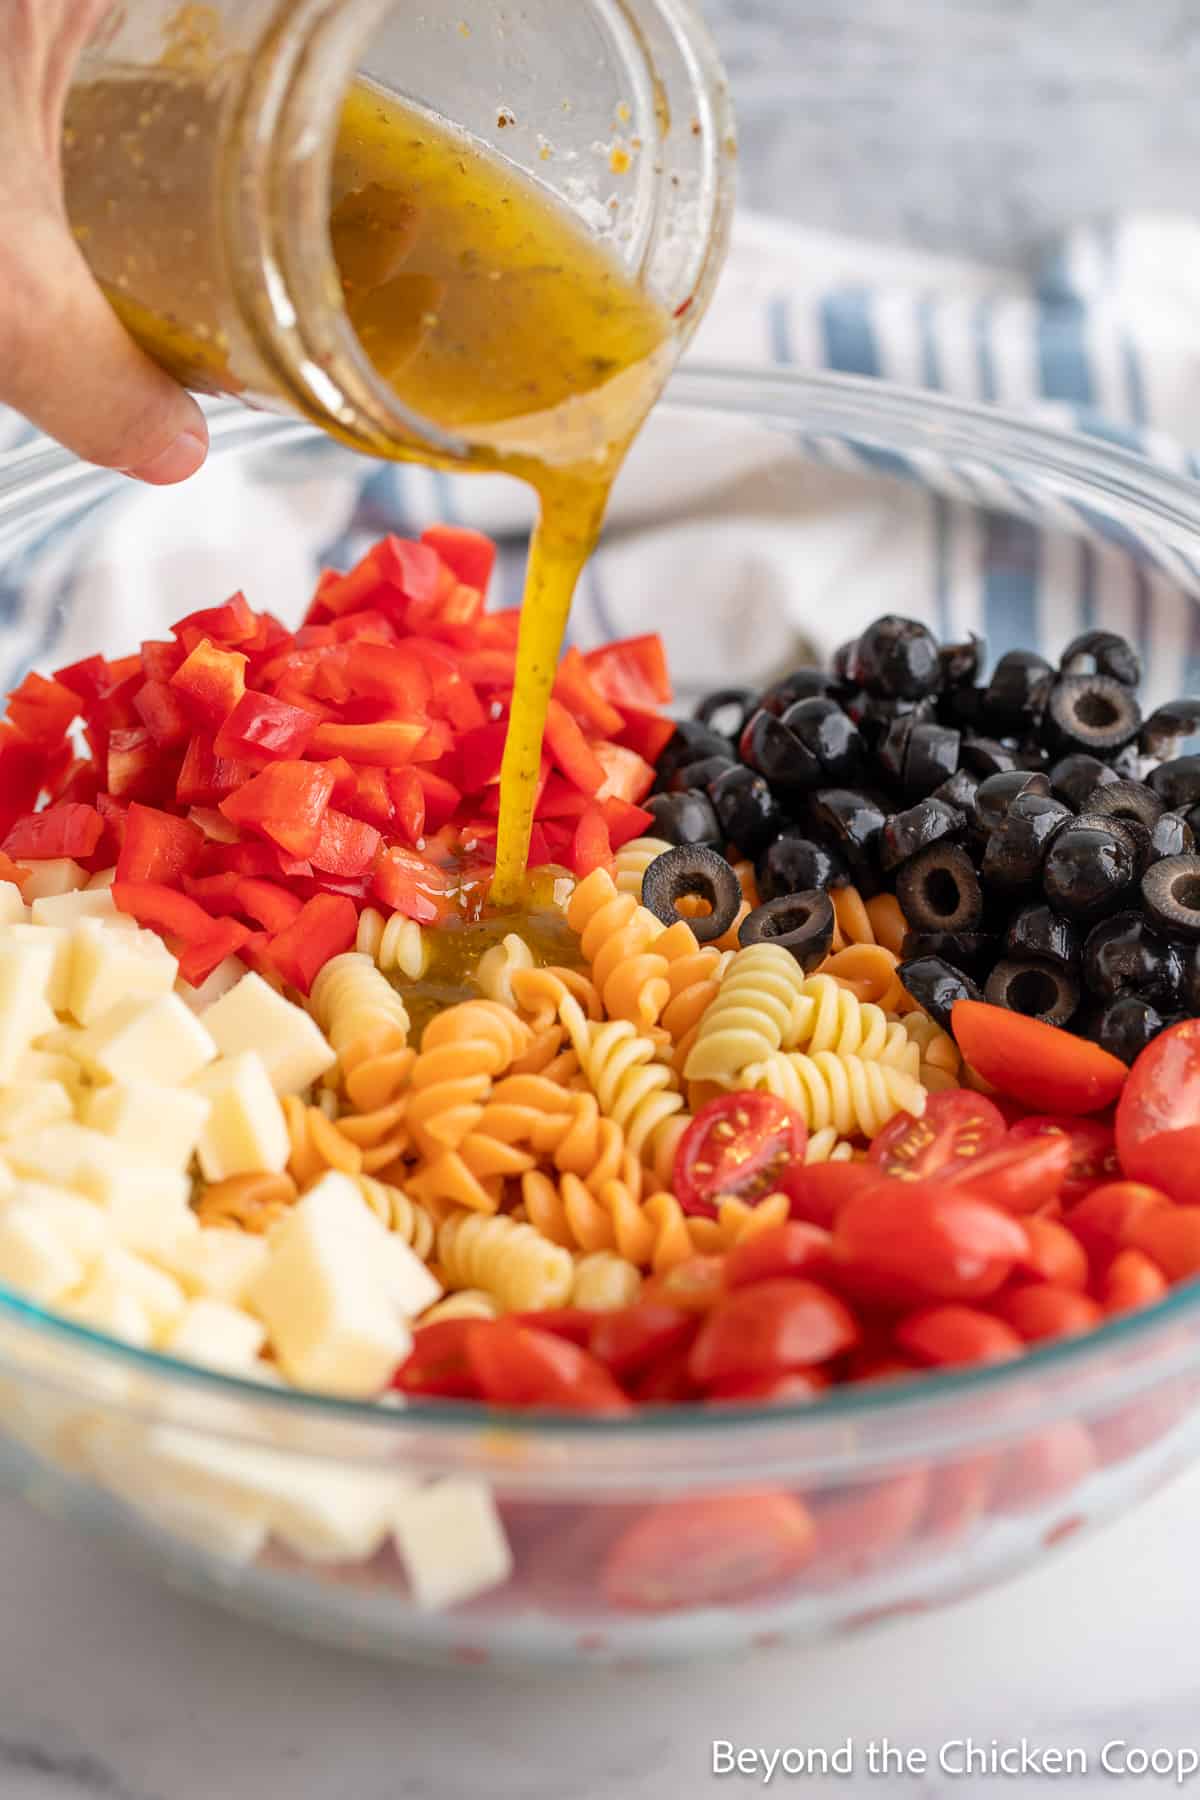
(113, 1688)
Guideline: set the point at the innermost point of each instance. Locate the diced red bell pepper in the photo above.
(163, 909)
(573, 685)
(490, 668)
(227, 938)
(286, 802)
(114, 813)
(591, 848)
(205, 778)
(406, 882)
(161, 711)
(557, 798)
(43, 710)
(261, 729)
(71, 830)
(345, 846)
(369, 796)
(217, 894)
(325, 926)
(648, 733)
(478, 756)
(627, 776)
(215, 827)
(500, 630)
(21, 767)
(454, 699)
(376, 671)
(158, 846)
(233, 623)
(258, 859)
(632, 672)
(161, 658)
(268, 904)
(625, 822)
(86, 679)
(210, 682)
(451, 614)
(389, 742)
(543, 848)
(442, 798)
(370, 627)
(391, 574)
(469, 555)
(137, 768)
(408, 803)
(78, 778)
(570, 750)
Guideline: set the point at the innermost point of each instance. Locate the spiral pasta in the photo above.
(870, 973)
(512, 1262)
(252, 1203)
(633, 859)
(651, 1234)
(604, 1282)
(749, 1017)
(633, 1089)
(393, 1208)
(853, 1097)
(694, 974)
(540, 992)
(617, 936)
(353, 1003)
(735, 1222)
(317, 1144)
(829, 1017)
(940, 1062)
(396, 945)
(466, 1159)
(469, 1303)
(497, 966)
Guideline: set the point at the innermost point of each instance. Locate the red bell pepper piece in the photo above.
(210, 682)
(261, 728)
(43, 710)
(286, 803)
(478, 756)
(469, 555)
(325, 926)
(573, 685)
(68, 830)
(21, 767)
(205, 778)
(391, 574)
(161, 658)
(389, 742)
(268, 904)
(369, 796)
(454, 699)
(406, 882)
(408, 803)
(648, 733)
(345, 846)
(217, 894)
(570, 750)
(625, 822)
(500, 630)
(442, 798)
(86, 679)
(627, 776)
(226, 938)
(158, 846)
(78, 778)
(591, 848)
(490, 668)
(632, 672)
(376, 671)
(163, 909)
(558, 798)
(161, 711)
(260, 859)
(233, 623)
(216, 829)
(137, 768)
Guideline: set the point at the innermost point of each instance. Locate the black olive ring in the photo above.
(692, 871)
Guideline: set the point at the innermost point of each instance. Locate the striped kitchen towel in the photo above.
(778, 540)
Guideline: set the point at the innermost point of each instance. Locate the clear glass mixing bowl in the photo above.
(815, 503)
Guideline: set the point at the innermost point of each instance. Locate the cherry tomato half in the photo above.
(711, 1552)
(633, 1340)
(1132, 1281)
(820, 1189)
(928, 1242)
(956, 1129)
(1055, 1255)
(1103, 1219)
(515, 1366)
(438, 1366)
(792, 1389)
(1093, 1150)
(769, 1329)
(1041, 1310)
(1036, 1063)
(792, 1249)
(1020, 1177)
(1170, 1237)
(948, 1335)
(747, 1145)
(1158, 1119)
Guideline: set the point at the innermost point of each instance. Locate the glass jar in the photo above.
(199, 145)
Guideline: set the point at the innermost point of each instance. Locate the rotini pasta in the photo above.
(694, 973)
(633, 1089)
(604, 1282)
(853, 1097)
(618, 938)
(396, 945)
(252, 1203)
(869, 972)
(465, 1163)
(540, 992)
(829, 1017)
(469, 1303)
(736, 1221)
(651, 1234)
(749, 1017)
(511, 1262)
(497, 966)
(317, 1144)
(633, 859)
(393, 1208)
(354, 1004)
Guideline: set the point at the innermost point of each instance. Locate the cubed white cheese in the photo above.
(410, 1283)
(26, 1106)
(245, 1132)
(108, 967)
(52, 1065)
(215, 1334)
(55, 875)
(337, 1515)
(147, 1208)
(157, 1040)
(8, 1181)
(65, 1155)
(58, 939)
(35, 1257)
(117, 1276)
(326, 1303)
(67, 910)
(252, 1016)
(452, 1542)
(104, 879)
(154, 1124)
(13, 910)
(25, 975)
(220, 1264)
(78, 1220)
(177, 1501)
(224, 977)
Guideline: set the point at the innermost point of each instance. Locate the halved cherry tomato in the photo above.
(1104, 1220)
(1044, 1466)
(792, 1389)
(571, 1322)
(957, 1128)
(958, 1496)
(1036, 1063)
(791, 1249)
(771, 1328)
(947, 1335)
(711, 1552)
(1158, 1119)
(1055, 1254)
(931, 1241)
(859, 1527)
(1093, 1150)
(437, 1365)
(818, 1190)
(1133, 1280)
(636, 1337)
(748, 1145)
(1041, 1310)
(515, 1366)
(1170, 1237)
(1020, 1177)
(692, 1286)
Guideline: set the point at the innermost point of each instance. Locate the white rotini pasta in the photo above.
(633, 1089)
(843, 1093)
(352, 1002)
(829, 1017)
(497, 966)
(749, 1017)
(633, 859)
(511, 1262)
(397, 945)
(393, 1208)
(471, 1303)
(604, 1282)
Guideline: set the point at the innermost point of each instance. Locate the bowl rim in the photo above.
(40, 476)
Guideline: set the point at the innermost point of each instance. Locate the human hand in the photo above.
(66, 361)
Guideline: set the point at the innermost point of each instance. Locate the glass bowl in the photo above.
(781, 512)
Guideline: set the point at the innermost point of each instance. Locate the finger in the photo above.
(69, 365)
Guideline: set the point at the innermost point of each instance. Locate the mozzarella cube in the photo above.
(59, 941)
(215, 1334)
(108, 967)
(157, 1040)
(78, 1220)
(25, 1106)
(8, 1181)
(410, 1283)
(113, 1311)
(245, 1132)
(252, 1016)
(224, 977)
(174, 1501)
(65, 1155)
(153, 1124)
(104, 879)
(67, 910)
(118, 1276)
(35, 1256)
(337, 1515)
(147, 1208)
(25, 974)
(452, 1543)
(54, 875)
(13, 910)
(325, 1302)
(52, 1065)
(218, 1264)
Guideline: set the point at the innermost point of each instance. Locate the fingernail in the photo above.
(175, 463)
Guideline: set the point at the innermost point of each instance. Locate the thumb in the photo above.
(68, 364)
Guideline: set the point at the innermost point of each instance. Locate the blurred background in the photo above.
(979, 127)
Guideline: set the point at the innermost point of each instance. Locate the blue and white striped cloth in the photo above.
(772, 541)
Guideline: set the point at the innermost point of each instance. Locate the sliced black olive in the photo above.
(1189, 985)
(960, 791)
(972, 951)
(1130, 800)
(1125, 1026)
(686, 818)
(692, 741)
(853, 821)
(699, 774)
(1046, 935)
(1018, 691)
(963, 707)
(1129, 764)
(892, 753)
(1032, 756)
(898, 658)
(746, 810)
(1177, 783)
(961, 663)
(1168, 726)
(939, 890)
(996, 794)
(1102, 653)
(842, 660)
(1172, 836)
(692, 871)
(1040, 990)
(801, 923)
(726, 711)
(908, 832)
(1017, 848)
(829, 736)
(875, 716)
(801, 684)
(932, 757)
(1092, 712)
(1075, 778)
(775, 753)
(1089, 868)
(1171, 895)
(793, 865)
(936, 985)
(986, 756)
(1126, 952)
